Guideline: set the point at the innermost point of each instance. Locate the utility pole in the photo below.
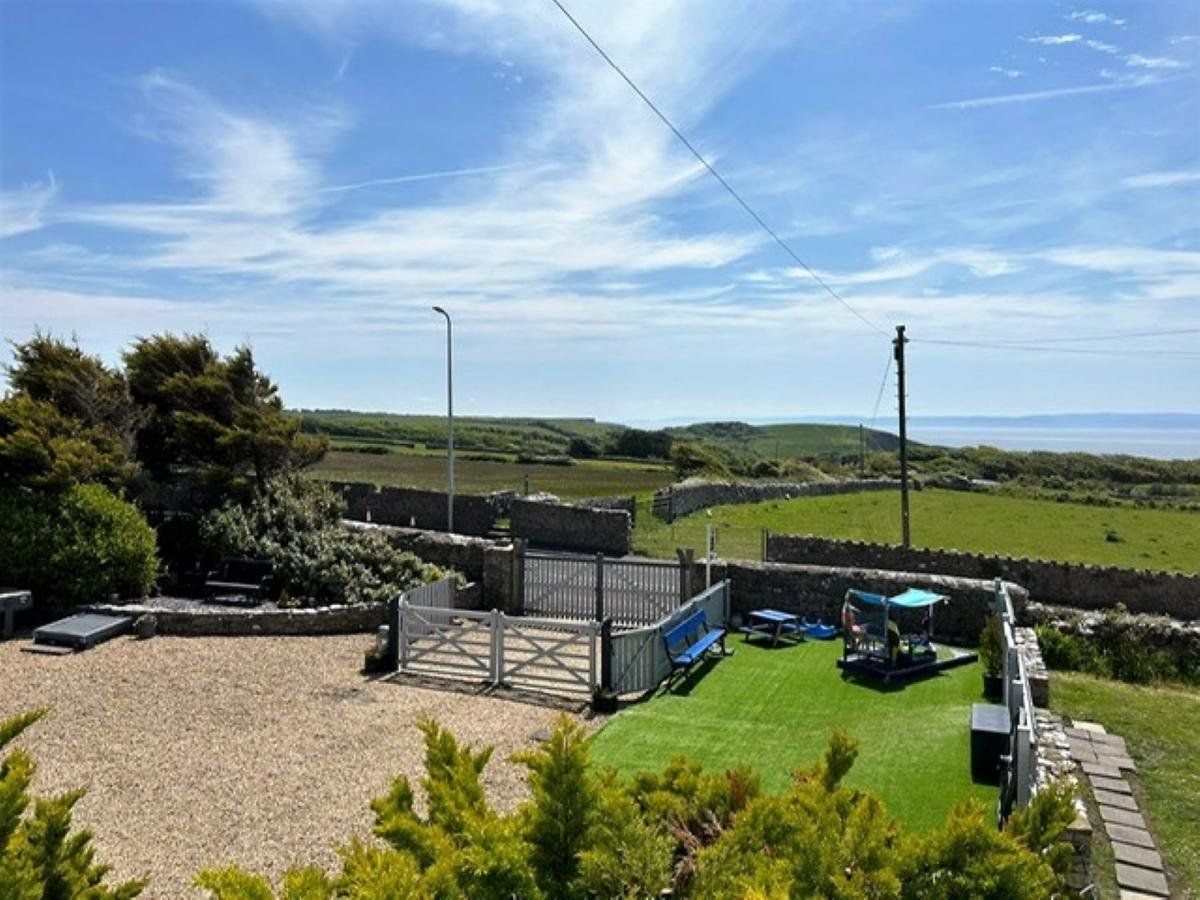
(862, 452)
(449, 419)
(899, 343)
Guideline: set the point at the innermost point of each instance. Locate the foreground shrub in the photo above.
(81, 545)
(298, 524)
(589, 834)
(40, 856)
(1115, 652)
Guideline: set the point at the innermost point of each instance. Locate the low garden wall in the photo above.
(463, 553)
(817, 592)
(192, 619)
(1058, 583)
(415, 508)
(629, 504)
(561, 527)
(686, 497)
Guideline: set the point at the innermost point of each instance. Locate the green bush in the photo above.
(1116, 653)
(991, 646)
(81, 545)
(297, 524)
(40, 857)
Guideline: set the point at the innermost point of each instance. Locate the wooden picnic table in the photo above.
(774, 624)
(12, 600)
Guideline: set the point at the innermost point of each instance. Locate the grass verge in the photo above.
(1161, 725)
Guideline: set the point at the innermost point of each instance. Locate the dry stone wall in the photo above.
(415, 508)
(688, 496)
(818, 592)
(460, 552)
(1056, 583)
(560, 527)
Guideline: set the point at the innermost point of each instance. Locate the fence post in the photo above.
(606, 675)
(402, 610)
(765, 536)
(599, 587)
(517, 600)
(391, 657)
(497, 660)
(687, 559)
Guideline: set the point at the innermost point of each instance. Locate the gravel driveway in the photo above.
(258, 751)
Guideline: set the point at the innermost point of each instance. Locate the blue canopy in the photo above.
(910, 599)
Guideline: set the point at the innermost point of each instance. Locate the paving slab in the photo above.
(1122, 816)
(1092, 769)
(1136, 895)
(1144, 880)
(1116, 785)
(1082, 734)
(1090, 726)
(1121, 762)
(1105, 742)
(1139, 837)
(1137, 856)
(1081, 751)
(1112, 798)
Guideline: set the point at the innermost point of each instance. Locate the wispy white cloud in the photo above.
(1153, 62)
(1092, 17)
(1102, 47)
(418, 176)
(23, 209)
(1054, 40)
(1010, 73)
(1049, 94)
(1161, 179)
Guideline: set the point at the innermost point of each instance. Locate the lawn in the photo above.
(1161, 726)
(588, 478)
(987, 523)
(774, 709)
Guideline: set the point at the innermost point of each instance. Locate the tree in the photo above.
(219, 418)
(643, 444)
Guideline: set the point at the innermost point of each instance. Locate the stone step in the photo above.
(1090, 727)
(1137, 856)
(1139, 837)
(1120, 762)
(1144, 880)
(1122, 816)
(1135, 895)
(1110, 742)
(1111, 798)
(1093, 769)
(1116, 785)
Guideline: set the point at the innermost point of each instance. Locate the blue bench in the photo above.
(688, 641)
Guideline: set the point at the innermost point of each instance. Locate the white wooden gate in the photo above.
(549, 655)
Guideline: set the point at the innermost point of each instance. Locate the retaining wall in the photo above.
(629, 504)
(1057, 583)
(201, 621)
(686, 497)
(818, 592)
(561, 527)
(414, 508)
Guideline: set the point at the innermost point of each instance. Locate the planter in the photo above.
(993, 686)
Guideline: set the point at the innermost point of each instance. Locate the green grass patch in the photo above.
(1161, 726)
(419, 469)
(1016, 526)
(773, 709)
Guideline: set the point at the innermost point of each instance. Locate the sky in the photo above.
(309, 177)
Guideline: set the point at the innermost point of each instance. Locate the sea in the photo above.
(1165, 443)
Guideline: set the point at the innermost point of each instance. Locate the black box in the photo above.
(991, 729)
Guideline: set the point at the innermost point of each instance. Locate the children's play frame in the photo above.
(877, 649)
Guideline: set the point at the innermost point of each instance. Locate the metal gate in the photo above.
(593, 588)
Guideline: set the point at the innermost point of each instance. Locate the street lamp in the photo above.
(449, 419)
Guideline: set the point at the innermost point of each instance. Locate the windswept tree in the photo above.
(216, 417)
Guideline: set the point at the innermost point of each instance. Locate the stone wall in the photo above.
(817, 592)
(686, 497)
(460, 552)
(414, 508)
(201, 620)
(561, 527)
(1058, 583)
(629, 504)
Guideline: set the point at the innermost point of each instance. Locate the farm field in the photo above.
(588, 478)
(1144, 538)
(1161, 725)
(773, 709)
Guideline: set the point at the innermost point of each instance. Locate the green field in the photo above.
(773, 709)
(1145, 538)
(588, 478)
(1161, 726)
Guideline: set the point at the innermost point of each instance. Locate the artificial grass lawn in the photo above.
(986, 523)
(773, 709)
(1161, 725)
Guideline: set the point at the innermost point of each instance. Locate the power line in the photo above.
(882, 384)
(717, 175)
(1145, 354)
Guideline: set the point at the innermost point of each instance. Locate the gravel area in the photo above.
(259, 751)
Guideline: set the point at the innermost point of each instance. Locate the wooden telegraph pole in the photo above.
(899, 343)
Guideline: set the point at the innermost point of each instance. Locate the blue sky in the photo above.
(311, 177)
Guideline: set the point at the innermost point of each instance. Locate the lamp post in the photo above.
(449, 419)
